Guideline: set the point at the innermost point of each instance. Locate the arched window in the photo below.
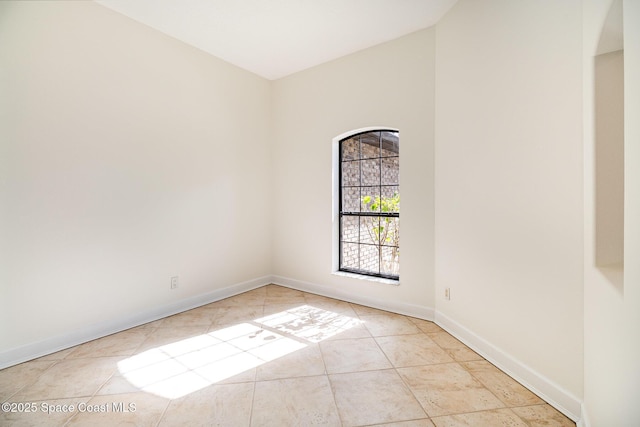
(369, 204)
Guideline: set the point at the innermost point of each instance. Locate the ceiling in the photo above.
(275, 38)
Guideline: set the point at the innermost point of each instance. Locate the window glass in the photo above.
(369, 186)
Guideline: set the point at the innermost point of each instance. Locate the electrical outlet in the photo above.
(447, 294)
(174, 282)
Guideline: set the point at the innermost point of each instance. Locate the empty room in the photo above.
(200, 209)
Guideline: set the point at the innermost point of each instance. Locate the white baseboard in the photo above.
(549, 391)
(546, 389)
(584, 418)
(418, 311)
(51, 345)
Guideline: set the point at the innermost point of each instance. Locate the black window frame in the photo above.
(359, 214)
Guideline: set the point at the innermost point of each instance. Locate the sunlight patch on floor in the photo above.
(309, 323)
(182, 367)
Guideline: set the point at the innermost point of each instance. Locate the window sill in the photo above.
(367, 278)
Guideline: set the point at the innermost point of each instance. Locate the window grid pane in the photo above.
(351, 199)
(368, 227)
(370, 204)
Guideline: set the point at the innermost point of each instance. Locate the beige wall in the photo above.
(612, 293)
(609, 159)
(126, 158)
(388, 85)
(509, 180)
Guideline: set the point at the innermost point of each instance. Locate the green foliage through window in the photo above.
(384, 231)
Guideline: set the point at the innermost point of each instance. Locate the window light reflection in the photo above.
(182, 367)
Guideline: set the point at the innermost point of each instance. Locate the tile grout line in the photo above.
(254, 383)
(429, 335)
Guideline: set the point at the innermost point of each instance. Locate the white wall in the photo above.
(509, 181)
(612, 295)
(388, 85)
(126, 157)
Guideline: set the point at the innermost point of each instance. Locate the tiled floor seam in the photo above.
(507, 405)
(480, 412)
(253, 402)
(395, 369)
(452, 351)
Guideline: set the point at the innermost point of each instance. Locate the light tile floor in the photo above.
(272, 357)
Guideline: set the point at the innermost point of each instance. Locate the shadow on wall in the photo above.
(609, 149)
